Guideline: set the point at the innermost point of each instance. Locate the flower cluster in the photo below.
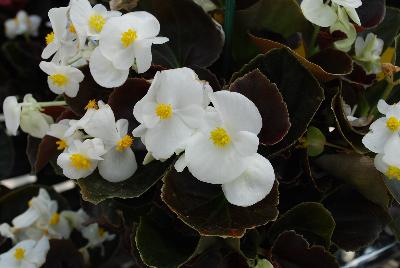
(30, 232)
(384, 140)
(22, 24)
(112, 43)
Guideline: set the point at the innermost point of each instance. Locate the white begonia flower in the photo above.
(58, 131)
(217, 152)
(124, 42)
(26, 254)
(76, 219)
(119, 162)
(343, 25)
(384, 129)
(22, 24)
(389, 170)
(96, 235)
(81, 158)
(368, 53)
(171, 111)
(39, 206)
(253, 185)
(89, 21)
(319, 13)
(62, 79)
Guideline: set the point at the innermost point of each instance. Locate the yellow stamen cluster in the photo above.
(101, 232)
(79, 161)
(220, 137)
(71, 28)
(59, 80)
(54, 219)
(393, 124)
(96, 22)
(19, 254)
(61, 144)
(164, 111)
(393, 172)
(128, 37)
(49, 38)
(92, 104)
(124, 143)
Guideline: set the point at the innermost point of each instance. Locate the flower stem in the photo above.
(45, 104)
(312, 49)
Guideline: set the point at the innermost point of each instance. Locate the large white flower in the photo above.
(368, 53)
(81, 158)
(217, 153)
(383, 130)
(171, 111)
(26, 254)
(62, 79)
(88, 20)
(22, 24)
(124, 42)
(119, 163)
(59, 130)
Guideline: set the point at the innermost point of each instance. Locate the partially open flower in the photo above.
(62, 79)
(26, 254)
(22, 24)
(343, 24)
(96, 235)
(368, 53)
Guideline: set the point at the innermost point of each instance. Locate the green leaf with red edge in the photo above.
(95, 189)
(358, 220)
(203, 206)
(88, 90)
(310, 219)
(292, 250)
(268, 99)
(172, 242)
(300, 90)
(194, 38)
(371, 13)
(358, 171)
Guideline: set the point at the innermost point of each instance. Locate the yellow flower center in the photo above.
(19, 254)
(79, 161)
(30, 203)
(71, 28)
(49, 38)
(124, 143)
(54, 219)
(62, 144)
(59, 80)
(101, 232)
(393, 172)
(96, 22)
(164, 111)
(92, 104)
(220, 137)
(128, 37)
(392, 123)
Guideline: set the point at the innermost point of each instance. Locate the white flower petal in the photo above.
(383, 107)
(143, 56)
(380, 165)
(318, 13)
(35, 123)
(12, 113)
(245, 143)
(392, 151)
(348, 3)
(26, 219)
(38, 254)
(122, 127)
(376, 139)
(353, 15)
(192, 115)
(253, 185)
(118, 166)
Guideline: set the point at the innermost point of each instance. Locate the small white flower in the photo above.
(171, 111)
(368, 53)
(119, 162)
(217, 153)
(124, 42)
(58, 131)
(22, 24)
(88, 20)
(253, 185)
(62, 79)
(96, 235)
(81, 158)
(26, 254)
(385, 129)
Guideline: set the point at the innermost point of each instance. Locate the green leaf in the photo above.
(315, 141)
(95, 189)
(300, 90)
(7, 154)
(358, 221)
(292, 250)
(358, 171)
(203, 206)
(269, 102)
(312, 220)
(263, 264)
(163, 241)
(193, 36)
